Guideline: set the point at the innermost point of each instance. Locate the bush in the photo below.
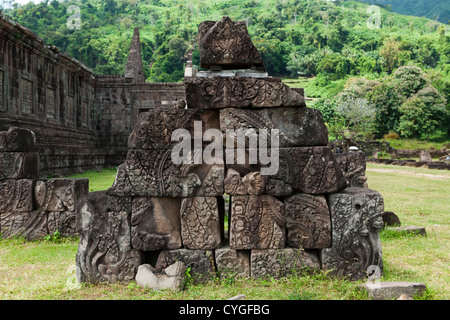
(391, 136)
(335, 66)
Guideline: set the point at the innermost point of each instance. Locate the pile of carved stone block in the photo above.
(301, 217)
(31, 207)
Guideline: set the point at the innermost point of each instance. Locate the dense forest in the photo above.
(394, 68)
(436, 9)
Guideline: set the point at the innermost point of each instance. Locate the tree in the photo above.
(409, 79)
(390, 53)
(387, 100)
(356, 118)
(334, 66)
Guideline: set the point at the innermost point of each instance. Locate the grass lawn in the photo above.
(45, 269)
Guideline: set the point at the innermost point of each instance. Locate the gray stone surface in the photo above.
(410, 229)
(298, 127)
(233, 262)
(393, 290)
(257, 222)
(200, 262)
(200, 223)
(170, 279)
(356, 219)
(308, 221)
(104, 252)
(282, 262)
(60, 194)
(155, 223)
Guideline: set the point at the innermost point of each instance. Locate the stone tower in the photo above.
(133, 68)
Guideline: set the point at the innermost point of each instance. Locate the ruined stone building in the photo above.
(314, 212)
(81, 119)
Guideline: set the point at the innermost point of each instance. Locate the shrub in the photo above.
(391, 136)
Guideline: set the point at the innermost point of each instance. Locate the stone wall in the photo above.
(31, 207)
(81, 120)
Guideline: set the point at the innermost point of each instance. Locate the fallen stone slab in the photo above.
(410, 229)
(393, 290)
(170, 279)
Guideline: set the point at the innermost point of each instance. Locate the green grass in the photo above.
(419, 197)
(45, 269)
(98, 180)
(437, 142)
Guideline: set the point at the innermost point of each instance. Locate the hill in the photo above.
(437, 9)
(98, 33)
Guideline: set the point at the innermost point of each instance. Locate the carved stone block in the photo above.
(308, 221)
(31, 225)
(228, 44)
(311, 170)
(19, 165)
(252, 183)
(17, 140)
(63, 222)
(356, 219)
(235, 262)
(200, 223)
(257, 222)
(201, 262)
(155, 223)
(17, 195)
(60, 194)
(282, 262)
(152, 173)
(298, 127)
(104, 252)
(240, 92)
(155, 127)
(353, 166)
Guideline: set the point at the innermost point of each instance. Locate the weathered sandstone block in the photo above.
(257, 222)
(200, 262)
(105, 253)
(17, 195)
(240, 92)
(353, 166)
(252, 183)
(298, 127)
(19, 165)
(200, 223)
(235, 262)
(311, 170)
(308, 221)
(60, 194)
(152, 173)
(228, 44)
(282, 262)
(155, 223)
(356, 219)
(155, 127)
(30, 225)
(17, 140)
(63, 222)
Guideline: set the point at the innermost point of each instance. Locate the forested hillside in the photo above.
(436, 9)
(337, 44)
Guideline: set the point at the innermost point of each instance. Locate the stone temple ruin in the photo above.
(315, 212)
(306, 216)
